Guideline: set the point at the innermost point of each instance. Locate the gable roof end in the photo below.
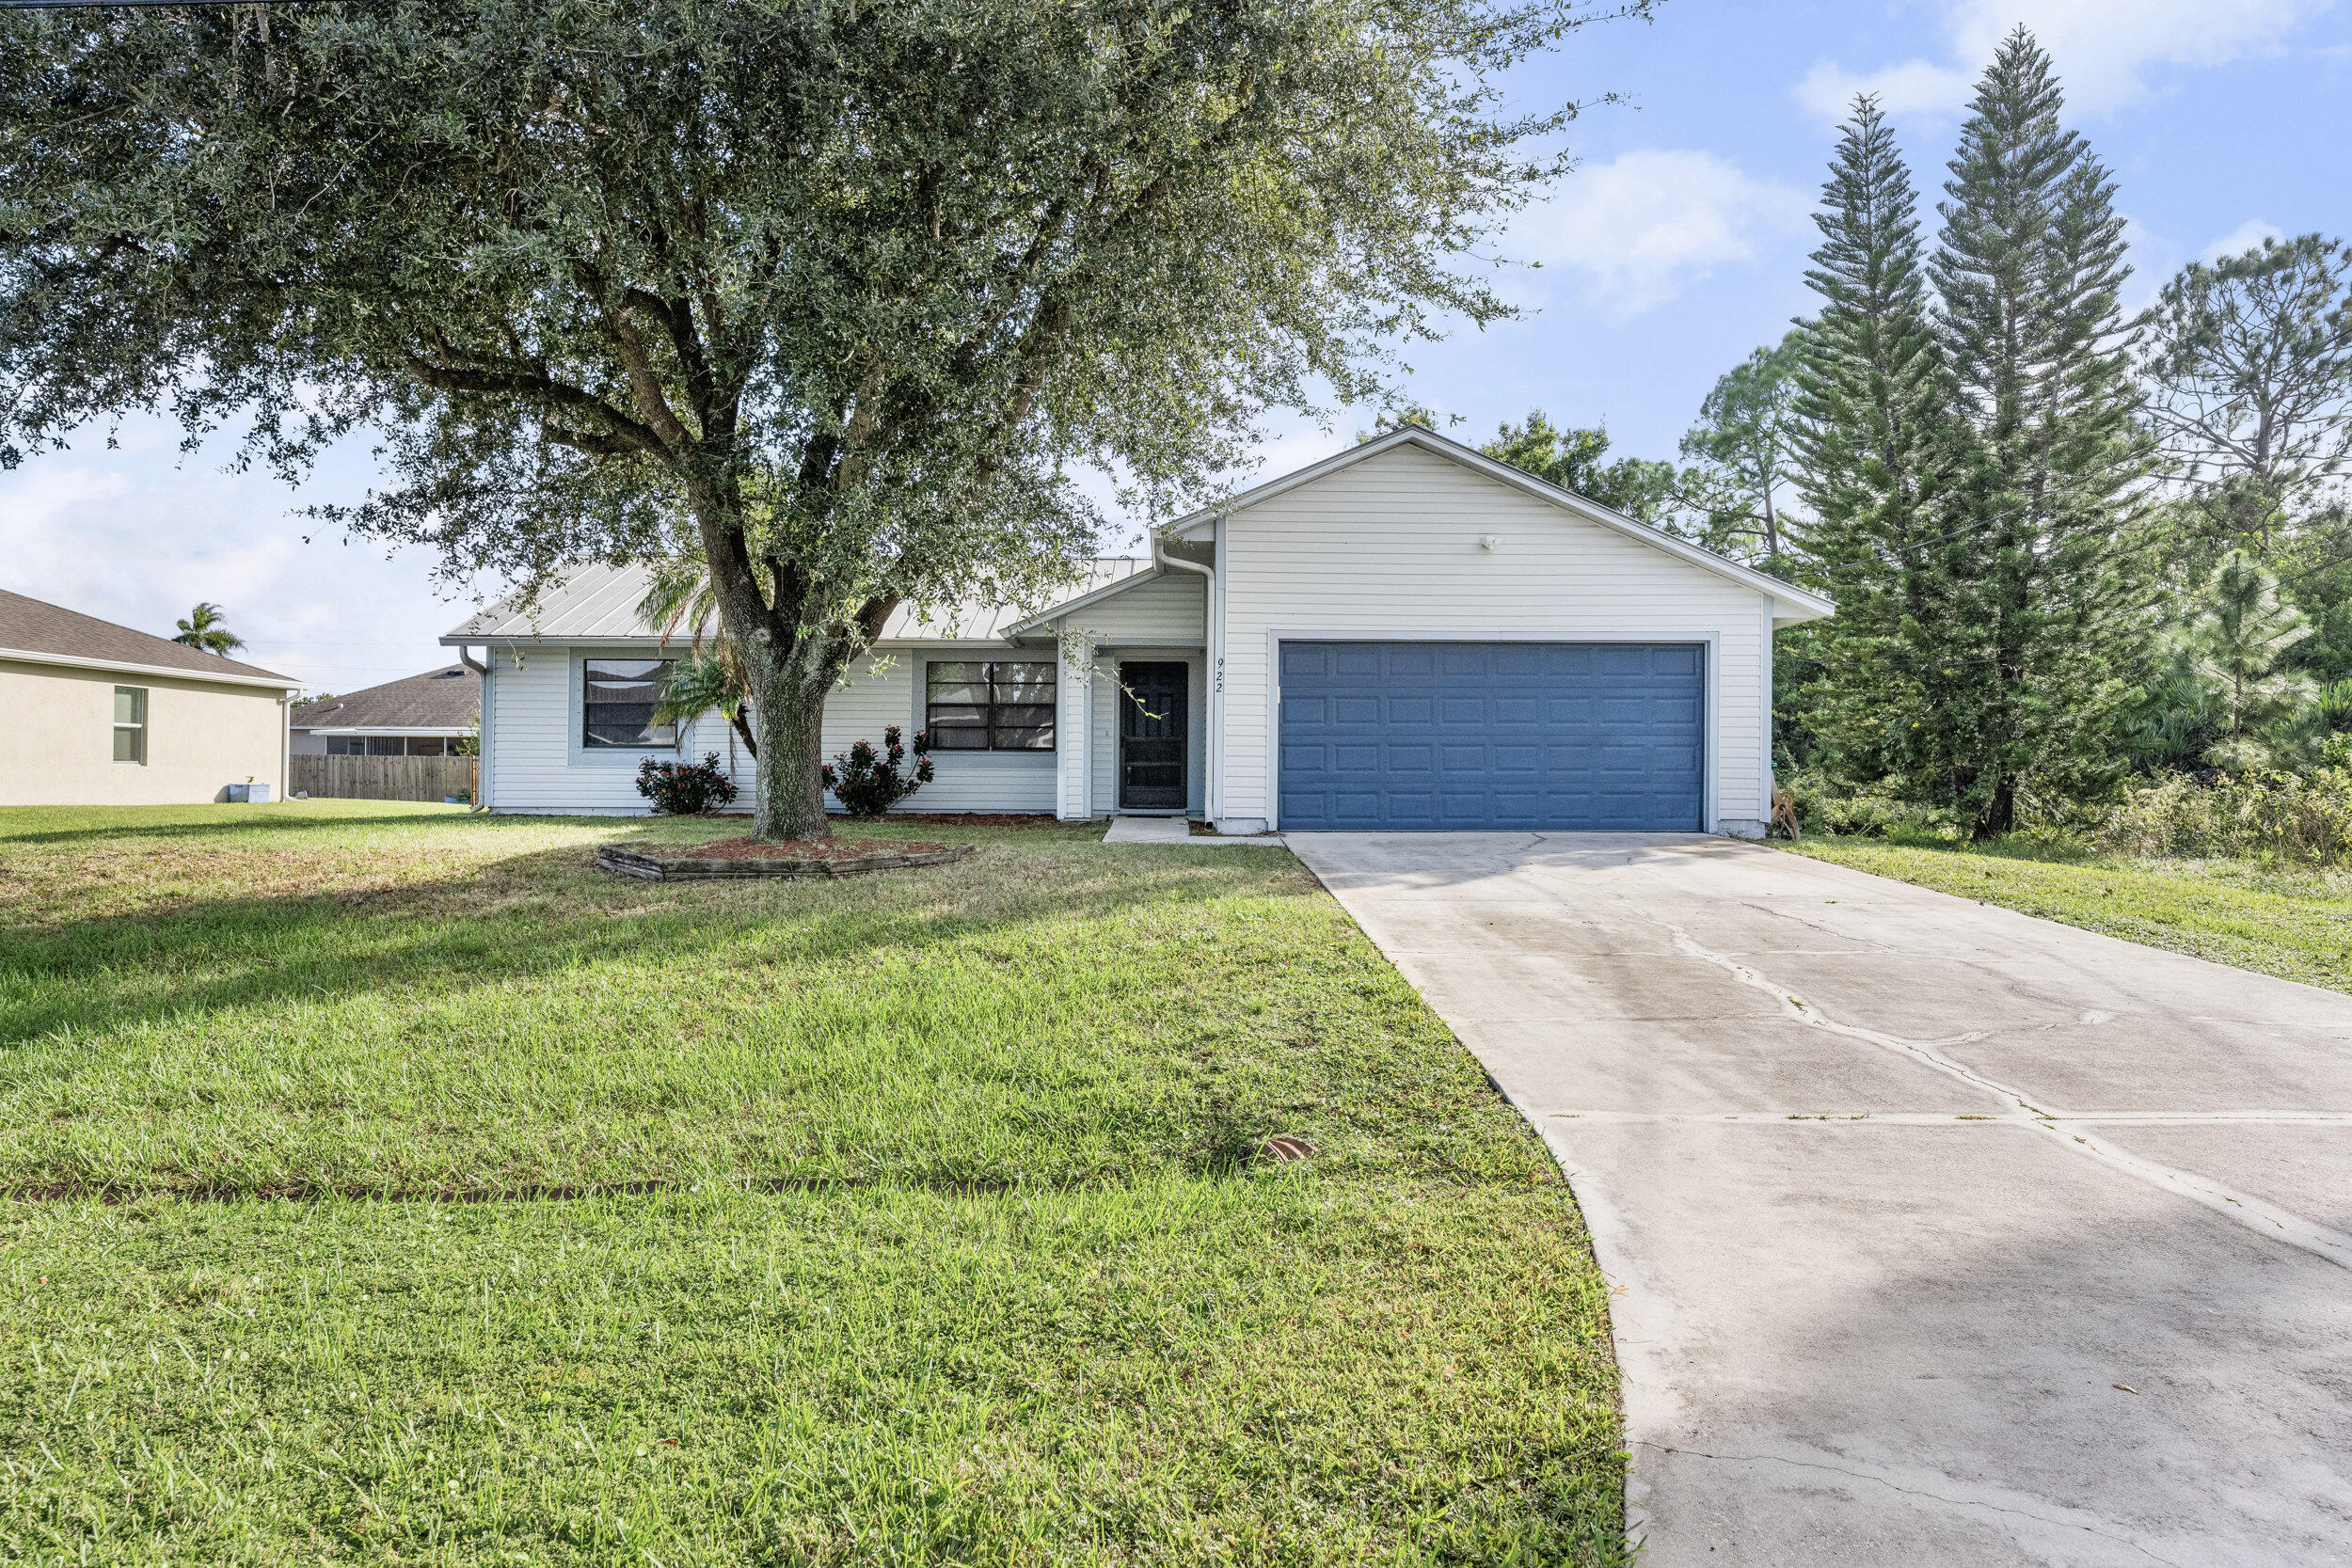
(1791, 604)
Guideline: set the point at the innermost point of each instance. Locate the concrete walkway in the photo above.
(1939, 1234)
(1172, 829)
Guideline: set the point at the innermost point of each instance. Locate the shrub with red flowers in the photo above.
(685, 788)
(869, 782)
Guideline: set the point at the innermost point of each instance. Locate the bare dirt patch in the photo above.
(754, 857)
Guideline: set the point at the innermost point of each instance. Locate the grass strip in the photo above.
(2292, 923)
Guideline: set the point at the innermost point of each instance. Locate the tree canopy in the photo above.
(828, 295)
(206, 627)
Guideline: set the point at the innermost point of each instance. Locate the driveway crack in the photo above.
(2241, 1208)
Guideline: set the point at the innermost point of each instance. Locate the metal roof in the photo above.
(597, 603)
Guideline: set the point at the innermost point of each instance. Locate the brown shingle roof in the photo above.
(447, 698)
(36, 626)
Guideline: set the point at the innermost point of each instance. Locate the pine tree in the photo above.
(2041, 458)
(1744, 443)
(1870, 391)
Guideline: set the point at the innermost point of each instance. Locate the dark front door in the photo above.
(1151, 737)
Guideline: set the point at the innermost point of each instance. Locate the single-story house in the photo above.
(106, 716)
(1409, 634)
(432, 715)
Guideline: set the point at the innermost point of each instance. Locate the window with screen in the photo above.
(992, 706)
(130, 723)
(617, 700)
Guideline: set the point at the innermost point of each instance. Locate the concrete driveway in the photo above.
(1939, 1234)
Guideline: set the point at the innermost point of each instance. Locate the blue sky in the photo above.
(1677, 246)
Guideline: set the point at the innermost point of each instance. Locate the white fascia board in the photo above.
(1795, 604)
(268, 683)
(428, 730)
(1084, 601)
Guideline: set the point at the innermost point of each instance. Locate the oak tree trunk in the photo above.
(789, 801)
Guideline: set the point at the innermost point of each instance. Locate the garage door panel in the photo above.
(1305, 661)
(1400, 734)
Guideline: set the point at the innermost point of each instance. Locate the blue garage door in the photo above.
(1492, 735)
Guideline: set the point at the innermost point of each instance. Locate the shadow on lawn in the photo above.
(235, 822)
(548, 911)
(2013, 847)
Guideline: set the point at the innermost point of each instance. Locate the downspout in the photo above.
(1212, 795)
(482, 730)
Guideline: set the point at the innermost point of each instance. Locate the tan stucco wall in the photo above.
(201, 738)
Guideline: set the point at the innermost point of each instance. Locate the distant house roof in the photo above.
(598, 603)
(445, 699)
(35, 632)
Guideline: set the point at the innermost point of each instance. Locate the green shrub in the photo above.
(685, 788)
(2306, 817)
(1822, 807)
(869, 782)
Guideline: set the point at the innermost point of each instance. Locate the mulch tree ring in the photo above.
(755, 857)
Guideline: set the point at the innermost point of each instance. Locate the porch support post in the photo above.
(1073, 712)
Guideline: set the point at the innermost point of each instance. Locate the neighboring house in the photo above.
(432, 715)
(107, 715)
(1407, 635)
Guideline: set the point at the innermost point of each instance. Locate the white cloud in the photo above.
(1641, 228)
(2245, 237)
(2106, 50)
(1913, 88)
(136, 534)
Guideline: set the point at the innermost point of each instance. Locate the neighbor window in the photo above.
(130, 723)
(990, 707)
(617, 703)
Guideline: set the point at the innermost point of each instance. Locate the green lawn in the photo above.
(2295, 924)
(384, 1183)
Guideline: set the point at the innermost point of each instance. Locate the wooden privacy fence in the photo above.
(382, 778)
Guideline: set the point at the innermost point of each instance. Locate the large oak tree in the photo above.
(828, 293)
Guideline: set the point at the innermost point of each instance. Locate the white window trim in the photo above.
(146, 704)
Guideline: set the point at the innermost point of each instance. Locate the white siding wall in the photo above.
(532, 720)
(1389, 548)
(1167, 610)
(1073, 743)
(964, 781)
(537, 768)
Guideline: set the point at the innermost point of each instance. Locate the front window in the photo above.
(130, 723)
(995, 706)
(618, 697)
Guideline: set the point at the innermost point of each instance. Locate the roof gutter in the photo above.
(482, 731)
